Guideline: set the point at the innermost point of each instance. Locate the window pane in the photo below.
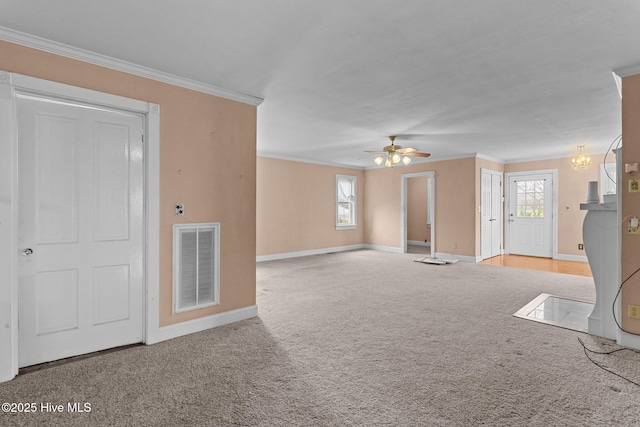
(344, 212)
(530, 198)
(345, 200)
(344, 190)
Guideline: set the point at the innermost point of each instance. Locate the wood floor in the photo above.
(543, 264)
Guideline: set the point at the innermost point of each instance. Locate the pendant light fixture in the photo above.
(582, 161)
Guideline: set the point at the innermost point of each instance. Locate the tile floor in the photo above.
(557, 311)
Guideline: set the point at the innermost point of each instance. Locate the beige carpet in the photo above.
(362, 338)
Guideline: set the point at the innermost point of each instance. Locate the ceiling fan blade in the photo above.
(374, 151)
(407, 150)
(417, 154)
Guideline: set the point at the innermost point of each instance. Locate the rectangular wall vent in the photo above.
(196, 265)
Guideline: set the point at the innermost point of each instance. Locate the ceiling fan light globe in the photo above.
(388, 163)
(378, 160)
(395, 158)
(406, 160)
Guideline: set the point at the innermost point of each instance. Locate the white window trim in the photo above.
(354, 181)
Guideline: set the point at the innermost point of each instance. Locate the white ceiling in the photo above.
(510, 79)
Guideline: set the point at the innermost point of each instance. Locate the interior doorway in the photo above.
(417, 213)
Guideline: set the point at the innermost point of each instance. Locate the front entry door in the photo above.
(81, 229)
(530, 219)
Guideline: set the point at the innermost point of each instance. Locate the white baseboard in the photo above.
(629, 340)
(202, 324)
(463, 258)
(383, 248)
(418, 243)
(296, 254)
(321, 251)
(565, 257)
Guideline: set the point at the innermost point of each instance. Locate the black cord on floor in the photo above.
(613, 306)
(587, 351)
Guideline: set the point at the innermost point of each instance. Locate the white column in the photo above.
(601, 244)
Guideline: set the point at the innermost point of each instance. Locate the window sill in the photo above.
(346, 227)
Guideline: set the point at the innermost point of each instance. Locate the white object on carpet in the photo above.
(438, 261)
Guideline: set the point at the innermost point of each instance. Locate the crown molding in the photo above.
(543, 158)
(61, 49)
(627, 70)
(618, 80)
(489, 158)
(301, 160)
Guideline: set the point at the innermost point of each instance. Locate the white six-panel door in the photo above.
(81, 229)
(490, 213)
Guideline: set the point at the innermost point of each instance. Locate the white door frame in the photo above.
(10, 83)
(508, 177)
(431, 185)
(484, 171)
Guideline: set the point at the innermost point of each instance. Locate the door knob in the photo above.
(27, 252)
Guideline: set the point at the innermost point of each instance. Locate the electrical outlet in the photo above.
(633, 226)
(580, 247)
(633, 311)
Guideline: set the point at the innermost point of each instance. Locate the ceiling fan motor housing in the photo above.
(391, 148)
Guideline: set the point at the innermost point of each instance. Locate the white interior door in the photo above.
(81, 229)
(496, 213)
(530, 218)
(491, 213)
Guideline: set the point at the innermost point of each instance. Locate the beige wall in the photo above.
(572, 190)
(281, 229)
(457, 206)
(195, 130)
(630, 201)
(417, 228)
(296, 205)
(455, 202)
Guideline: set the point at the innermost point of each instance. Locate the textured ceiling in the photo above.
(512, 80)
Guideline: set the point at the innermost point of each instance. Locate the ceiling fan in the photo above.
(394, 154)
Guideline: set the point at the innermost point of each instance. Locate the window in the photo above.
(530, 198)
(196, 265)
(346, 202)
